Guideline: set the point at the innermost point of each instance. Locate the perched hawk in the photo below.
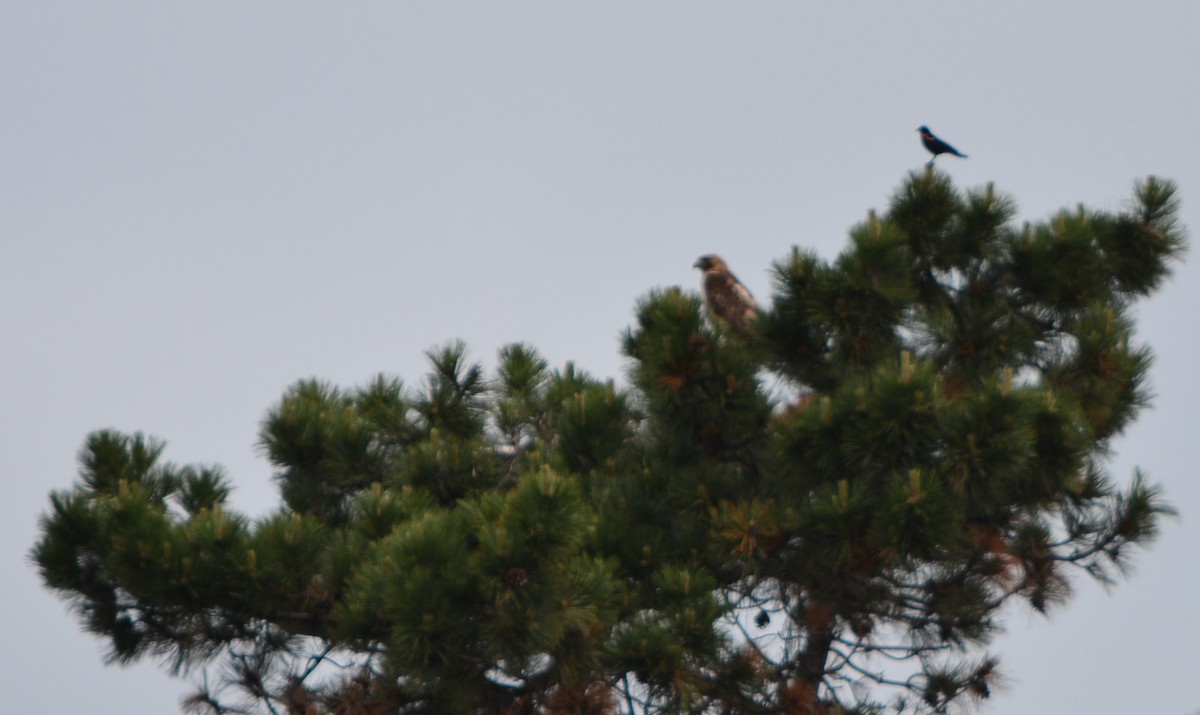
(725, 295)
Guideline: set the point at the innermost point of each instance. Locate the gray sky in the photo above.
(202, 202)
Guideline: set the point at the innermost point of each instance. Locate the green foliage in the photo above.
(914, 435)
(701, 391)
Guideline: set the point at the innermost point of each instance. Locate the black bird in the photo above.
(936, 146)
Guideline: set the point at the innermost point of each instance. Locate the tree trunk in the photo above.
(801, 695)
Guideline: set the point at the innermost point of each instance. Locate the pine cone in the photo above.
(516, 577)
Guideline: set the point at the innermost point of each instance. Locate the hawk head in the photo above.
(709, 262)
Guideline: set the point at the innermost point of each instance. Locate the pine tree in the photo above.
(825, 517)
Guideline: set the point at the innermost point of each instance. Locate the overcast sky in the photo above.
(202, 202)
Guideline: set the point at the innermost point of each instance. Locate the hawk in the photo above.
(726, 297)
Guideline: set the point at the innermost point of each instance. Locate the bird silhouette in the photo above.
(936, 146)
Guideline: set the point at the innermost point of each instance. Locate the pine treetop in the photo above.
(906, 438)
